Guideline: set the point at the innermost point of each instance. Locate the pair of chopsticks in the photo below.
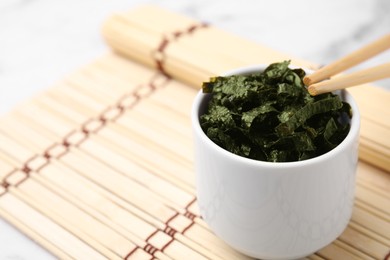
(316, 83)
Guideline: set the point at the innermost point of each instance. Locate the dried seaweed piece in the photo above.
(270, 116)
(309, 110)
(249, 116)
(219, 115)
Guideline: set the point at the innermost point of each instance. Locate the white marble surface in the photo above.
(43, 40)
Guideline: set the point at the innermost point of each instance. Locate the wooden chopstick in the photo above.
(349, 61)
(353, 79)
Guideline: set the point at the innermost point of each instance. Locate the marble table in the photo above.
(41, 41)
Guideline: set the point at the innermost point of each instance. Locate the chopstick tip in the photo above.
(312, 90)
(307, 80)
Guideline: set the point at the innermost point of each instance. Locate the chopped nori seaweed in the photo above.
(270, 115)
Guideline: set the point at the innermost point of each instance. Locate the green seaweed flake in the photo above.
(270, 116)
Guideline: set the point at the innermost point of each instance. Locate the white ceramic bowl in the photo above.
(275, 210)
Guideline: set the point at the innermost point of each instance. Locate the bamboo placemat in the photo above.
(100, 166)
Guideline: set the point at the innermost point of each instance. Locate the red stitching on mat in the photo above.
(47, 154)
(19, 182)
(174, 216)
(150, 249)
(387, 257)
(4, 182)
(164, 247)
(190, 225)
(149, 237)
(191, 202)
(25, 167)
(159, 55)
(40, 167)
(120, 110)
(128, 106)
(65, 143)
(131, 252)
(93, 120)
(153, 84)
(103, 120)
(140, 91)
(190, 215)
(5, 189)
(159, 81)
(170, 231)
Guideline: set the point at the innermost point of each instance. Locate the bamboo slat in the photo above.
(366, 245)
(13, 127)
(5, 169)
(74, 216)
(15, 151)
(100, 165)
(49, 237)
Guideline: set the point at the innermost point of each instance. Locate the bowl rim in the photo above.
(348, 140)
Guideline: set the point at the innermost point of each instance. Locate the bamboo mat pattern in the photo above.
(100, 166)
